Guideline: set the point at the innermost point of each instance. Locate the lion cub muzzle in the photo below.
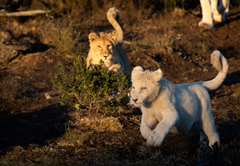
(106, 52)
(106, 56)
(135, 100)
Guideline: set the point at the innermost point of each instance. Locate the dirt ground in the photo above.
(33, 126)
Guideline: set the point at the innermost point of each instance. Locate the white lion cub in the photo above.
(212, 11)
(167, 107)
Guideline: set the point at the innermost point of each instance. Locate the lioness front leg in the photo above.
(157, 136)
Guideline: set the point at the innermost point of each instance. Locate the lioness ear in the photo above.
(113, 36)
(92, 37)
(156, 75)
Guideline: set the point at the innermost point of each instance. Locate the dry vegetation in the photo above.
(35, 129)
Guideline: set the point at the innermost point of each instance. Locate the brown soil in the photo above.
(32, 126)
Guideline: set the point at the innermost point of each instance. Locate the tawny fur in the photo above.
(108, 47)
(167, 107)
(211, 11)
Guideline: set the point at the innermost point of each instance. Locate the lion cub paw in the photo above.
(115, 67)
(155, 139)
(205, 26)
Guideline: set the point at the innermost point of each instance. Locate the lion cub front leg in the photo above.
(115, 67)
(148, 123)
(156, 138)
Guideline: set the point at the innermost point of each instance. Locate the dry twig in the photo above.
(14, 47)
(23, 13)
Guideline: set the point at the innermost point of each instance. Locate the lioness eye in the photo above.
(99, 47)
(133, 87)
(142, 88)
(109, 46)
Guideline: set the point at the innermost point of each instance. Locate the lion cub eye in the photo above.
(143, 88)
(109, 46)
(133, 87)
(99, 47)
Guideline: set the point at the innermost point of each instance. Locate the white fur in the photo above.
(211, 11)
(175, 108)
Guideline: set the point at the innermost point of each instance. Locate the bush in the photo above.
(91, 89)
(62, 35)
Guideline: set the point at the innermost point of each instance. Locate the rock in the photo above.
(6, 55)
(4, 36)
(169, 50)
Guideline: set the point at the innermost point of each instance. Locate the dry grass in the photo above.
(202, 50)
(61, 35)
(101, 123)
(225, 116)
(236, 93)
(145, 9)
(64, 40)
(74, 137)
(95, 122)
(9, 88)
(153, 40)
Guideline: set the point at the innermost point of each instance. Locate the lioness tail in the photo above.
(113, 16)
(220, 63)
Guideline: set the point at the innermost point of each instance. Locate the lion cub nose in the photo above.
(105, 56)
(135, 100)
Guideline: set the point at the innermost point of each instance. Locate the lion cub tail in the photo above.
(113, 16)
(220, 63)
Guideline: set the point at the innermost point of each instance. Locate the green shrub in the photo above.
(91, 89)
(169, 5)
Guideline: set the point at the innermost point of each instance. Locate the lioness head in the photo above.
(145, 86)
(103, 44)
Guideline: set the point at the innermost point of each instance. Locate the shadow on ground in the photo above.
(23, 129)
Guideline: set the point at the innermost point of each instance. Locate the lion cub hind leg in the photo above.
(205, 123)
(222, 11)
(213, 136)
(209, 129)
(203, 136)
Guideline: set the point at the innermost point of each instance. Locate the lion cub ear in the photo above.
(93, 37)
(156, 75)
(136, 71)
(113, 36)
